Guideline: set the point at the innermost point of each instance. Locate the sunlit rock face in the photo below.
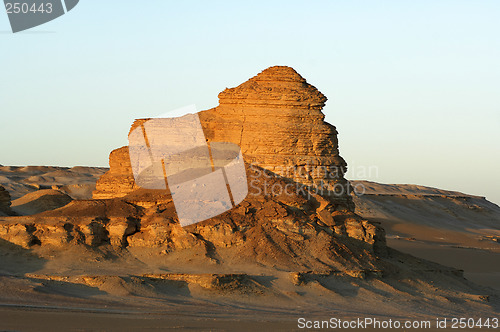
(276, 119)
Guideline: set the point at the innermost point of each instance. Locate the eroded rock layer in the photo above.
(294, 232)
(276, 119)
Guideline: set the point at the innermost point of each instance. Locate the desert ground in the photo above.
(129, 289)
(451, 228)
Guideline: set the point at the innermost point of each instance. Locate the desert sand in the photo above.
(448, 227)
(77, 182)
(104, 288)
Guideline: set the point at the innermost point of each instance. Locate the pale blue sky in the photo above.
(413, 86)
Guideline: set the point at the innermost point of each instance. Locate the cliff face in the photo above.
(276, 119)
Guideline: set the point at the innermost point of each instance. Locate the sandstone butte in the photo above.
(276, 119)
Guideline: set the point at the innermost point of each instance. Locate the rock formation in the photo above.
(4, 202)
(301, 244)
(276, 119)
(293, 232)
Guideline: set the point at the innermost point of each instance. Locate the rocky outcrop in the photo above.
(4, 202)
(90, 223)
(276, 119)
(119, 180)
(293, 232)
(291, 219)
(298, 202)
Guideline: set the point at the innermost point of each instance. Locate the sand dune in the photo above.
(78, 182)
(40, 201)
(448, 227)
